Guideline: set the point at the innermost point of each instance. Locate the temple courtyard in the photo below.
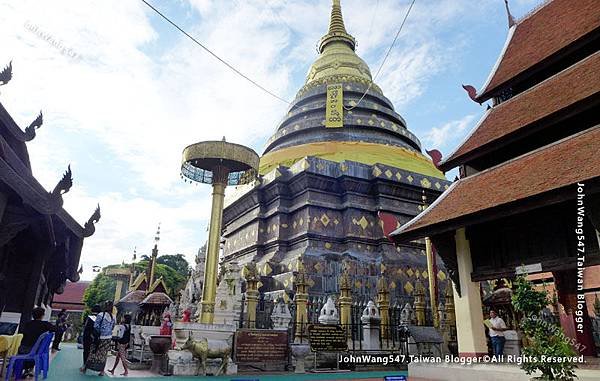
(65, 366)
(372, 237)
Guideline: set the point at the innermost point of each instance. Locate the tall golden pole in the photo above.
(431, 276)
(218, 163)
(209, 290)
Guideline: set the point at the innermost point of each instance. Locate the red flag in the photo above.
(390, 223)
(436, 157)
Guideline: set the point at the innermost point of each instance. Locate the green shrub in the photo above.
(545, 339)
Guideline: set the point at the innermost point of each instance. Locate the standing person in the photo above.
(498, 326)
(167, 325)
(31, 331)
(122, 344)
(103, 327)
(61, 327)
(88, 333)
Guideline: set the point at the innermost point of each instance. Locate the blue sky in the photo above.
(123, 92)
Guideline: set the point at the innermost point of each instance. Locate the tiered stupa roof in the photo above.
(372, 131)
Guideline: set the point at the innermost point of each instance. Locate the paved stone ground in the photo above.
(65, 366)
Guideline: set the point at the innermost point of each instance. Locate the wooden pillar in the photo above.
(37, 267)
(469, 313)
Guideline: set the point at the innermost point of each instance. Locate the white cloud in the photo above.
(137, 93)
(447, 135)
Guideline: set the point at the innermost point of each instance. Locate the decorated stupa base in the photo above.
(326, 213)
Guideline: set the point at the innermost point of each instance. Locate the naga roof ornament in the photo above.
(6, 74)
(62, 187)
(89, 227)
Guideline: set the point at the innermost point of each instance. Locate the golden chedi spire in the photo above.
(337, 59)
(337, 30)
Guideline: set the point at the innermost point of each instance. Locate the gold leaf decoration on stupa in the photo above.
(267, 269)
(441, 275)
(389, 174)
(410, 178)
(310, 282)
(424, 274)
(408, 287)
(319, 267)
(437, 185)
(410, 272)
(400, 272)
(328, 245)
(325, 219)
(336, 221)
(363, 222)
(301, 222)
(357, 283)
(398, 176)
(376, 171)
(393, 285)
(425, 182)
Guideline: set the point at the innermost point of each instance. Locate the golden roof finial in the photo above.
(337, 30)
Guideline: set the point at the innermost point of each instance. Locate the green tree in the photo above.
(177, 262)
(100, 290)
(545, 338)
(103, 287)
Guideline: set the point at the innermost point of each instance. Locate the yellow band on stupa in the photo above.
(361, 152)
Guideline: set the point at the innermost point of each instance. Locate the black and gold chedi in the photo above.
(322, 184)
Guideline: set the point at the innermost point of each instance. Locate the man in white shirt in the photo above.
(497, 333)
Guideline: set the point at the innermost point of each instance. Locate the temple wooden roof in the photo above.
(16, 174)
(157, 299)
(579, 82)
(133, 297)
(505, 188)
(539, 37)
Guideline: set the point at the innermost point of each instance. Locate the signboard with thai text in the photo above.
(334, 112)
(327, 338)
(259, 345)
